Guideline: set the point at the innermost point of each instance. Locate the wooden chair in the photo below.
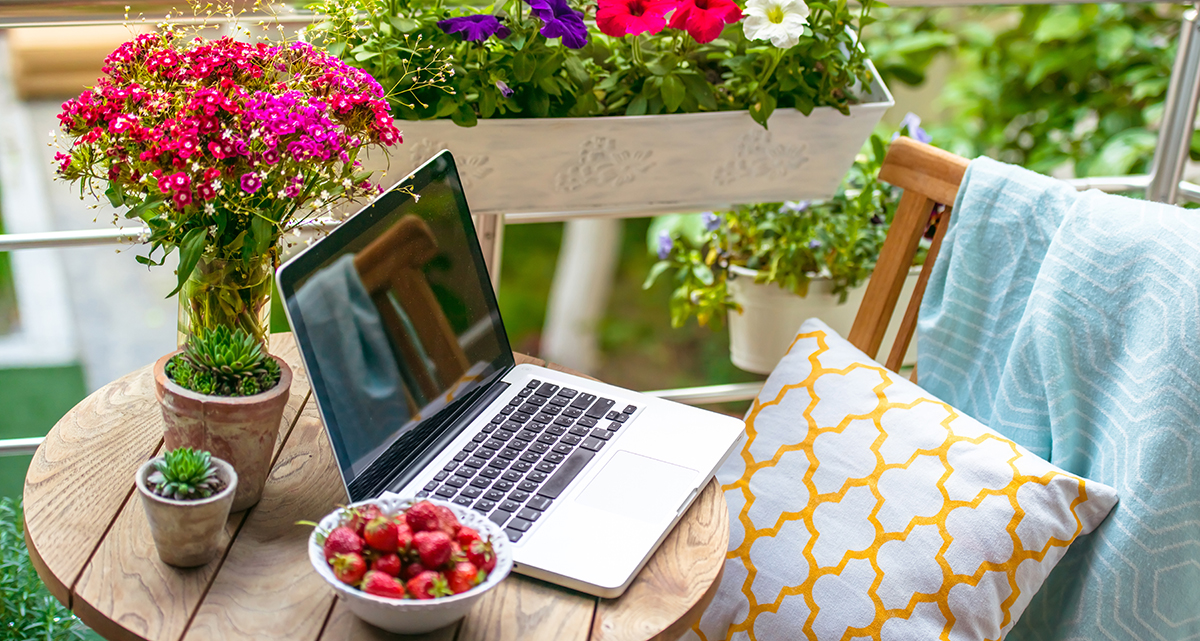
(930, 178)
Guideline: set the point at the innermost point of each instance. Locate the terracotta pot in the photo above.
(239, 429)
(188, 533)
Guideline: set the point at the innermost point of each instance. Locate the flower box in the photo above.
(646, 164)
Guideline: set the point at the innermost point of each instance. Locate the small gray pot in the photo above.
(187, 533)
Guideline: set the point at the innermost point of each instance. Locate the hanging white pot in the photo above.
(762, 332)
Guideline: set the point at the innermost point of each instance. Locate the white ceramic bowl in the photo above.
(414, 616)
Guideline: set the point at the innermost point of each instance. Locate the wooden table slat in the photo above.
(344, 626)
(524, 608)
(158, 600)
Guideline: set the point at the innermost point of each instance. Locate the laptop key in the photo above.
(481, 482)
(599, 408)
(586, 421)
(527, 486)
(513, 535)
(499, 517)
(527, 435)
(484, 505)
(465, 472)
(498, 463)
(568, 392)
(498, 419)
(530, 457)
(441, 476)
(422, 494)
(547, 389)
(478, 438)
(592, 443)
(536, 400)
(565, 474)
(573, 412)
(528, 514)
(629, 409)
(445, 492)
(578, 430)
(450, 467)
(603, 435)
(539, 503)
(563, 448)
(522, 417)
(536, 426)
(524, 393)
(456, 481)
(519, 524)
(519, 496)
(502, 485)
(493, 495)
(556, 430)
(583, 401)
(551, 410)
(612, 416)
(471, 492)
(508, 429)
(540, 448)
(507, 409)
(510, 506)
(564, 421)
(508, 453)
(533, 382)
(475, 461)
(521, 466)
(542, 467)
(614, 426)
(544, 417)
(570, 439)
(431, 486)
(470, 447)
(559, 401)
(554, 457)
(518, 444)
(464, 501)
(489, 428)
(494, 444)
(488, 473)
(536, 477)
(511, 476)
(622, 418)
(461, 456)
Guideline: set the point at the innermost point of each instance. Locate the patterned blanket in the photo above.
(1071, 323)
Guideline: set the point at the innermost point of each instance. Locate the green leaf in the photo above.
(673, 92)
(464, 117)
(523, 67)
(146, 210)
(637, 106)
(655, 271)
(404, 25)
(703, 273)
(1060, 24)
(1122, 153)
(190, 251)
(116, 194)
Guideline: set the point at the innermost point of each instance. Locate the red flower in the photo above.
(704, 19)
(618, 18)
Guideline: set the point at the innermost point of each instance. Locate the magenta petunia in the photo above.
(251, 182)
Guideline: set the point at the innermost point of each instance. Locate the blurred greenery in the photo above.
(8, 292)
(33, 399)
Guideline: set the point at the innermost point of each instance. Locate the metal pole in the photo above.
(1179, 114)
(20, 446)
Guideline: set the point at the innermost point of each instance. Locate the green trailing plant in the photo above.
(788, 244)
(505, 66)
(221, 361)
(27, 609)
(185, 474)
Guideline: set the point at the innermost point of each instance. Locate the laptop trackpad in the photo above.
(639, 487)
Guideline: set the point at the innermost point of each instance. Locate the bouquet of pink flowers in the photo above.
(220, 147)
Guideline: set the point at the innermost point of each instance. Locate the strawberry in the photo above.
(466, 536)
(361, 515)
(381, 584)
(388, 564)
(482, 555)
(422, 517)
(433, 548)
(411, 570)
(342, 540)
(447, 522)
(456, 552)
(403, 536)
(380, 534)
(348, 568)
(428, 585)
(463, 577)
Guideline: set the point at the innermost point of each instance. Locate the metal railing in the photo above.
(1163, 184)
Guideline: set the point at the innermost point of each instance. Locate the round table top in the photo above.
(89, 540)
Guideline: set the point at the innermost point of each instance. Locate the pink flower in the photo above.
(63, 160)
(618, 18)
(183, 198)
(704, 19)
(179, 180)
(251, 182)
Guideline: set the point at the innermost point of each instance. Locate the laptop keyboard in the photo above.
(528, 454)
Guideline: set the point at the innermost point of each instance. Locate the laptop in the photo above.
(411, 369)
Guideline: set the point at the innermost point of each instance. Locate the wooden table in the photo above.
(89, 540)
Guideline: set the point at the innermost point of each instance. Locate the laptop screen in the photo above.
(396, 320)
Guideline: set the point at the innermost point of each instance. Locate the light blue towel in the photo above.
(1071, 323)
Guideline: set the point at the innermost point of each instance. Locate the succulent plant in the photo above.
(185, 474)
(224, 362)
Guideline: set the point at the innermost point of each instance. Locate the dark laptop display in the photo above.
(402, 331)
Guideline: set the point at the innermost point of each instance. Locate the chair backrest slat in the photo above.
(929, 177)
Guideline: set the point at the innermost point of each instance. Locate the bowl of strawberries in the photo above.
(409, 566)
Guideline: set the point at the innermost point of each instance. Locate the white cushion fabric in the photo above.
(861, 507)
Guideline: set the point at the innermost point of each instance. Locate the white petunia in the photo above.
(780, 21)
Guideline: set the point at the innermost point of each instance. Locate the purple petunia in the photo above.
(475, 28)
(665, 244)
(911, 125)
(560, 21)
(712, 222)
(505, 90)
(251, 182)
(814, 244)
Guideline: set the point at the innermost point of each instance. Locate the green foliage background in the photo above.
(27, 611)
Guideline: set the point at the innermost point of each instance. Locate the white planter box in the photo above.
(761, 334)
(646, 164)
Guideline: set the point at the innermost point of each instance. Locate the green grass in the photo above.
(33, 400)
(8, 292)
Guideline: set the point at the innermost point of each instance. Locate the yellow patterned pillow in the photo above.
(863, 508)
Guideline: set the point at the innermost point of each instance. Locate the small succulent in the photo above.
(185, 474)
(224, 362)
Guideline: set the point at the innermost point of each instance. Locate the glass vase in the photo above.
(224, 292)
